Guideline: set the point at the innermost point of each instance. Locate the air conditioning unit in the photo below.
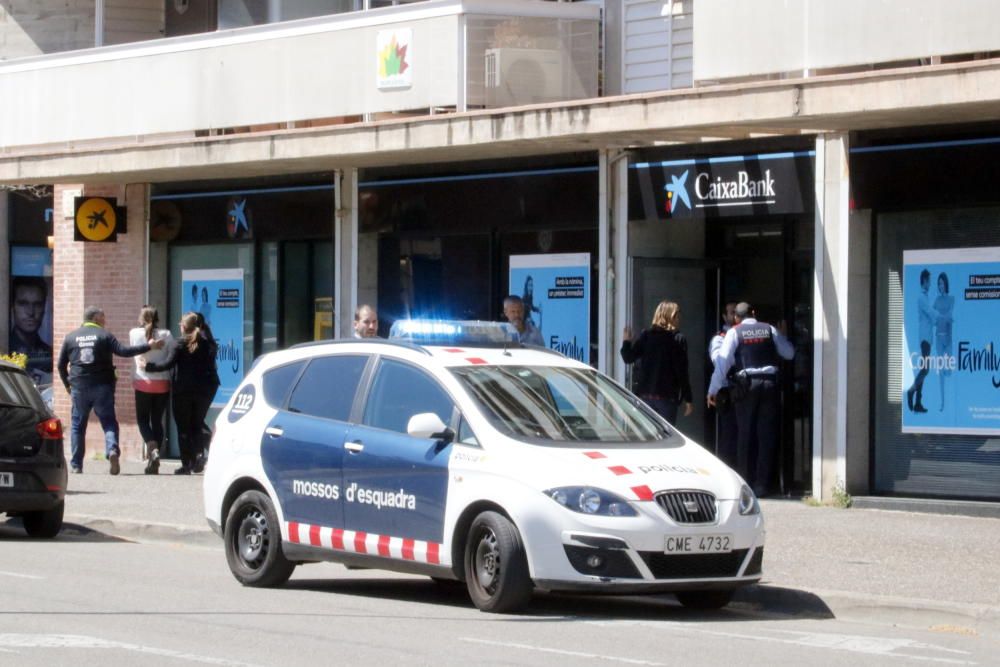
(516, 76)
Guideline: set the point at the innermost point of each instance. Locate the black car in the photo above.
(32, 463)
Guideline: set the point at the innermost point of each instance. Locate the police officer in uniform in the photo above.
(752, 350)
(86, 367)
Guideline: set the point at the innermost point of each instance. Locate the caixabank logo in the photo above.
(713, 193)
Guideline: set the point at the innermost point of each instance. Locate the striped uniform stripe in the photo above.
(402, 548)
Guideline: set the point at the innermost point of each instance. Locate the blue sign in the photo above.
(556, 294)
(218, 294)
(951, 341)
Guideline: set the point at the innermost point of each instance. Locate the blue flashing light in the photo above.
(455, 332)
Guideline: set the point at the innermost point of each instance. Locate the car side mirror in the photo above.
(429, 425)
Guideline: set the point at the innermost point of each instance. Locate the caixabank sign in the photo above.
(725, 186)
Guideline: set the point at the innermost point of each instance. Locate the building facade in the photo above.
(416, 156)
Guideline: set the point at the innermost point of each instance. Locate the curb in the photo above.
(952, 617)
(141, 530)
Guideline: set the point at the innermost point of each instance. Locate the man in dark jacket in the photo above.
(86, 366)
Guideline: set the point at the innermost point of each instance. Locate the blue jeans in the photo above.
(101, 399)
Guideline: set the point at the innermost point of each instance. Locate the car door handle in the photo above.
(354, 447)
(274, 431)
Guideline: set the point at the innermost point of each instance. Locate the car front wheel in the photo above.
(496, 569)
(46, 523)
(253, 542)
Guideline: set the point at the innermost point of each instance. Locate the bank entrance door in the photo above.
(693, 285)
(768, 261)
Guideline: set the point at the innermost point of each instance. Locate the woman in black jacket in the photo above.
(195, 381)
(662, 378)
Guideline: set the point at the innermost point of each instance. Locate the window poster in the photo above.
(951, 341)
(31, 309)
(555, 291)
(218, 295)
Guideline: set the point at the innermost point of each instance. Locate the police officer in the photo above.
(87, 369)
(726, 433)
(752, 350)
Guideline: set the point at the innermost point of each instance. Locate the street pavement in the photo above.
(896, 567)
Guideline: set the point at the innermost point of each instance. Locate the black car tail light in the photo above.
(50, 429)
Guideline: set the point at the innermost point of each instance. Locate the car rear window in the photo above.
(327, 386)
(278, 381)
(16, 388)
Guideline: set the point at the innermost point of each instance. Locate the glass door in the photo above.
(692, 284)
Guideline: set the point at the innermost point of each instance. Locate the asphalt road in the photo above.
(88, 599)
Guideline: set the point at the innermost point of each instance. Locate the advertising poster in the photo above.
(951, 341)
(31, 309)
(556, 294)
(218, 295)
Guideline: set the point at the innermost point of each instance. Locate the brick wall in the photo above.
(111, 276)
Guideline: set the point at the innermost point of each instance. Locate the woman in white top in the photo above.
(152, 390)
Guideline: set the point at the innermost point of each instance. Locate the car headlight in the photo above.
(588, 500)
(748, 502)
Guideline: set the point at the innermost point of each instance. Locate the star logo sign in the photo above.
(677, 191)
(238, 217)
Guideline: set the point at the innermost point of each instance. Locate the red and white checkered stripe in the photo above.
(401, 548)
(641, 492)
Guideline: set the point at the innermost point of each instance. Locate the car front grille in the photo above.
(688, 506)
(693, 566)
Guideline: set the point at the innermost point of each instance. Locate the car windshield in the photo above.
(560, 405)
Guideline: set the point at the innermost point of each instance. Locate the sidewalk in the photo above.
(931, 570)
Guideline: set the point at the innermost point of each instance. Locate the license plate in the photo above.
(6, 479)
(697, 544)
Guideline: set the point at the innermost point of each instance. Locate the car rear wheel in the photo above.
(704, 599)
(496, 570)
(45, 523)
(253, 542)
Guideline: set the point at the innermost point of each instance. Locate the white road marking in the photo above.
(14, 640)
(882, 646)
(19, 575)
(559, 651)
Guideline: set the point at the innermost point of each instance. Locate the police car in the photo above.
(453, 451)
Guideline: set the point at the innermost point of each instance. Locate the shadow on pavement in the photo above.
(12, 529)
(750, 603)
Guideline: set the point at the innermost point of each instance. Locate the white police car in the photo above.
(508, 467)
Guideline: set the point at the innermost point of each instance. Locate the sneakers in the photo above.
(76, 469)
(153, 464)
(151, 451)
(183, 470)
(199, 464)
(115, 468)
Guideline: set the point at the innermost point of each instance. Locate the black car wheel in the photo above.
(253, 542)
(496, 570)
(704, 599)
(45, 523)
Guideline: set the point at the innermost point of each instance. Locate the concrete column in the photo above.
(614, 198)
(346, 248)
(5, 270)
(830, 314)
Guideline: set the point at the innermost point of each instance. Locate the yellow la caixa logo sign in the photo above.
(98, 219)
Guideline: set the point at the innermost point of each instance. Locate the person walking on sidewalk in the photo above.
(663, 379)
(86, 367)
(152, 390)
(195, 381)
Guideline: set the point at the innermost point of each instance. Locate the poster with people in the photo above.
(555, 291)
(951, 341)
(31, 309)
(218, 294)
